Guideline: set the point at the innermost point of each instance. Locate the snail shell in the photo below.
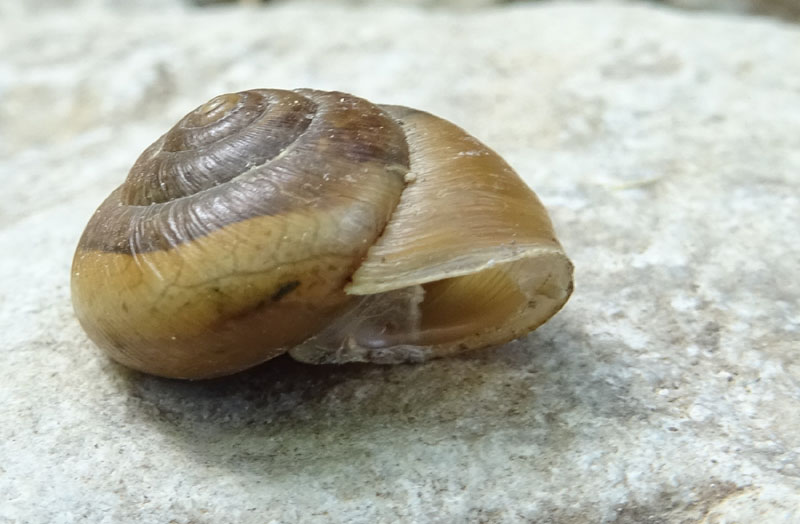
(316, 223)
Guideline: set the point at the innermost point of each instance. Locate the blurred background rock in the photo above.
(789, 9)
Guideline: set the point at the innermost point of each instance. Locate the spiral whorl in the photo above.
(255, 153)
(217, 142)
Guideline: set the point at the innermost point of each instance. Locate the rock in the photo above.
(666, 148)
(784, 8)
(789, 9)
(73, 7)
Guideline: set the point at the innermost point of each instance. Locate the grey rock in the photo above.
(667, 148)
(789, 9)
(784, 8)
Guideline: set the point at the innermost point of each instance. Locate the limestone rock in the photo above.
(666, 149)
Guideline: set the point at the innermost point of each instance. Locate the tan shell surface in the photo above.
(473, 238)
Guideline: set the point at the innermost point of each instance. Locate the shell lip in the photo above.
(452, 267)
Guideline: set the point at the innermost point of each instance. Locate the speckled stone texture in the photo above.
(667, 148)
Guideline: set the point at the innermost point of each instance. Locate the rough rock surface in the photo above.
(667, 148)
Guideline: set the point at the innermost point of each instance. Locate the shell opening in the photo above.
(446, 316)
